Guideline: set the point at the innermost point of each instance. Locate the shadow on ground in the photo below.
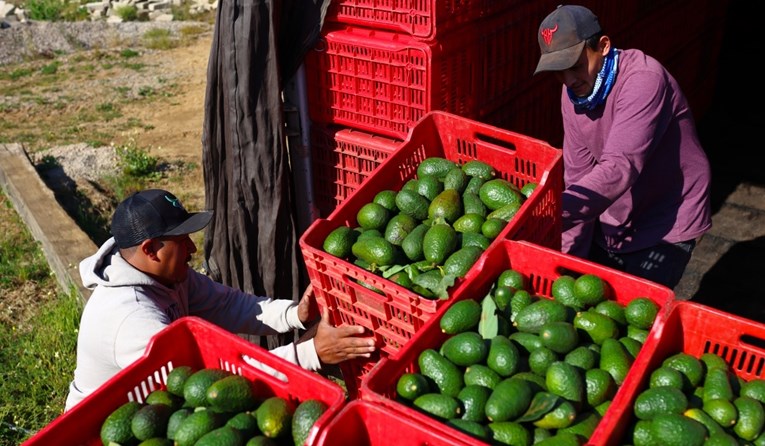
(734, 283)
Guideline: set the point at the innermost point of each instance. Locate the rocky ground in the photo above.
(23, 41)
(98, 100)
(166, 121)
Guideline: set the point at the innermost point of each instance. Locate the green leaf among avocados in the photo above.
(488, 327)
(541, 405)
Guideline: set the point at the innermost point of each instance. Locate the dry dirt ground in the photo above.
(100, 98)
(106, 92)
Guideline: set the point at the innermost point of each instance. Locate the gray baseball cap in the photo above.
(562, 36)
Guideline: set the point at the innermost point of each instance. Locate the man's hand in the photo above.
(336, 344)
(307, 308)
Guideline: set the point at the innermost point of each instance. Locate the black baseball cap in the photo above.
(562, 36)
(154, 213)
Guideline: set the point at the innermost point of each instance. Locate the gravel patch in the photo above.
(79, 161)
(31, 39)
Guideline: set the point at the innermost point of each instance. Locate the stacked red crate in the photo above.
(342, 159)
(381, 65)
(383, 82)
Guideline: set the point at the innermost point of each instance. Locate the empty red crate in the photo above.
(540, 267)
(535, 111)
(697, 18)
(341, 160)
(363, 423)
(199, 344)
(424, 19)
(694, 329)
(430, 19)
(384, 82)
(397, 314)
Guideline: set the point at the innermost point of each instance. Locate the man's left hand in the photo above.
(307, 308)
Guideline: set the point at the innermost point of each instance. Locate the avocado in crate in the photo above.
(430, 233)
(540, 346)
(228, 413)
(703, 385)
(372, 282)
(553, 386)
(218, 389)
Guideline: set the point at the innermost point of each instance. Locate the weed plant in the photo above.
(136, 169)
(159, 39)
(128, 13)
(56, 10)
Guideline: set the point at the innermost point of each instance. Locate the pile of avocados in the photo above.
(517, 368)
(692, 401)
(431, 232)
(210, 407)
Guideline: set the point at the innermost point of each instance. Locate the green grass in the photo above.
(21, 260)
(127, 13)
(37, 366)
(159, 39)
(38, 341)
(55, 10)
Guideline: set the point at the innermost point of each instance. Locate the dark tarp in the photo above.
(251, 243)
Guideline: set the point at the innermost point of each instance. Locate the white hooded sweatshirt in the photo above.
(128, 307)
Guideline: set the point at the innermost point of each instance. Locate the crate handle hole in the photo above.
(503, 144)
(753, 341)
(254, 363)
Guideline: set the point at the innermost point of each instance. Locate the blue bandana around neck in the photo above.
(603, 83)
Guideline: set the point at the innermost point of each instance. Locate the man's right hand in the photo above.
(336, 344)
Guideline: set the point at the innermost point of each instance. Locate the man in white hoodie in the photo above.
(142, 282)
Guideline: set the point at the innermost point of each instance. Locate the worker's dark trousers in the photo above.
(663, 263)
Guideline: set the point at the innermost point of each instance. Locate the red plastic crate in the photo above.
(199, 344)
(535, 111)
(398, 314)
(697, 17)
(384, 82)
(424, 19)
(429, 19)
(363, 423)
(540, 266)
(341, 160)
(695, 329)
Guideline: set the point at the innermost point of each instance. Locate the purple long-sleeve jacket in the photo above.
(634, 165)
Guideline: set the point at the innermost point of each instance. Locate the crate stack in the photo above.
(380, 66)
(390, 86)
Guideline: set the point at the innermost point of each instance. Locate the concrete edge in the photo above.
(63, 243)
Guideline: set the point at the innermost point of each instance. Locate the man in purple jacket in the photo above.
(637, 181)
